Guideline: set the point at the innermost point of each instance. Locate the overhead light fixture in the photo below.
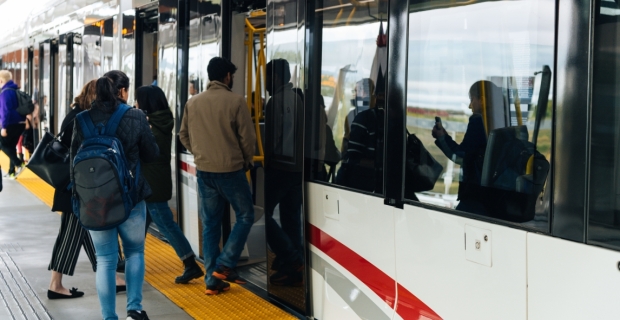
(366, 1)
(334, 7)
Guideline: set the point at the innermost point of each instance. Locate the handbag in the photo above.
(421, 170)
(50, 161)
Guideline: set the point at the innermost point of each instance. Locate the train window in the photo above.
(346, 142)
(479, 107)
(604, 184)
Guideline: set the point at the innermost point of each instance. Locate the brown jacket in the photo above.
(218, 130)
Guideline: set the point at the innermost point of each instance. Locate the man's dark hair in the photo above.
(280, 68)
(218, 68)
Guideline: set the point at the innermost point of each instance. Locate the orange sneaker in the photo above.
(215, 289)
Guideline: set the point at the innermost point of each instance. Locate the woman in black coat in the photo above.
(158, 174)
(71, 236)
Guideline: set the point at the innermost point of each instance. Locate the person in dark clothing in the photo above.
(158, 174)
(138, 144)
(469, 153)
(361, 168)
(283, 174)
(13, 123)
(71, 236)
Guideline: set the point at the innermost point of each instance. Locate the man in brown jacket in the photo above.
(218, 130)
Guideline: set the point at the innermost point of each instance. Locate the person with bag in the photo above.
(71, 236)
(470, 152)
(11, 121)
(158, 174)
(131, 143)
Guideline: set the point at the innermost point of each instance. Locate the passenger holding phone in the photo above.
(470, 152)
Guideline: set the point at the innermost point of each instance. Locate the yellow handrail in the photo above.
(257, 107)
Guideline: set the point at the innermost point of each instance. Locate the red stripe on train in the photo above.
(187, 167)
(408, 305)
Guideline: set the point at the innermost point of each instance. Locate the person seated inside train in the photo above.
(283, 175)
(361, 163)
(484, 96)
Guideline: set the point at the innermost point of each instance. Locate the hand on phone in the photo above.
(438, 130)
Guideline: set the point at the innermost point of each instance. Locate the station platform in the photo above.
(29, 230)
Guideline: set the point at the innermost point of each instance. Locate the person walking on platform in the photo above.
(158, 174)
(138, 144)
(218, 130)
(71, 236)
(13, 124)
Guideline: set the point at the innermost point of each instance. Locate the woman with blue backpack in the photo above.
(109, 142)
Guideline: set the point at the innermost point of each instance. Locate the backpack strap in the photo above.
(86, 123)
(115, 120)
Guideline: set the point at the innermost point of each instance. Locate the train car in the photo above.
(455, 160)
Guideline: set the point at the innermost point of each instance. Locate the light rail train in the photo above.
(526, 226)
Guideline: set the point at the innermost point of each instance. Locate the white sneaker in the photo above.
(19, 169)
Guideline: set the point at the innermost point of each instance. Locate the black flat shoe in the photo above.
(55, 295)
(121, 288)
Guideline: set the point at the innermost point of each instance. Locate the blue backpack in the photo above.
(104, 188)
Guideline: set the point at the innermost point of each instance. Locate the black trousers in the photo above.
(13, 131)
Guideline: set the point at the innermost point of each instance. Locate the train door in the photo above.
(32, 88)
(284, 147)
(62, 76)
(47, 85)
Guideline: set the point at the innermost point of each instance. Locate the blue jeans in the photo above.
(162, 216)
(106, 248)
(215, 189)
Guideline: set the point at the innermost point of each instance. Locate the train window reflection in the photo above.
(604, 202)
(348, 131)
(479, 104)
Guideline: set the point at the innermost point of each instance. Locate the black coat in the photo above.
(158, 173)
(135, 136)
(62, 196)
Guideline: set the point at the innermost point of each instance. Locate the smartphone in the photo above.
(438, 122)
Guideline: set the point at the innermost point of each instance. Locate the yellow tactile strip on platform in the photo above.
(162, 266)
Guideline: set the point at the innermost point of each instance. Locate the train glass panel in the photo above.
(604, 180)
(77, 80)
(128, 46)
(63, 90)
(345, 145)
(44, 97)
(167, 53)
(91, 43)
(479, 101)
(108, 44)
(283, 148)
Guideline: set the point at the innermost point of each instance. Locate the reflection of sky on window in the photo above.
(450, 49)
(353, 45)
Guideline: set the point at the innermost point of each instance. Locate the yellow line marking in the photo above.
(163, 265)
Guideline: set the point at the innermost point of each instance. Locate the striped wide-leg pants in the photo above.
(71, 237)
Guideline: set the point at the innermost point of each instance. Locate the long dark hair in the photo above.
(151, 99)
(119, 80)
(107, 95)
